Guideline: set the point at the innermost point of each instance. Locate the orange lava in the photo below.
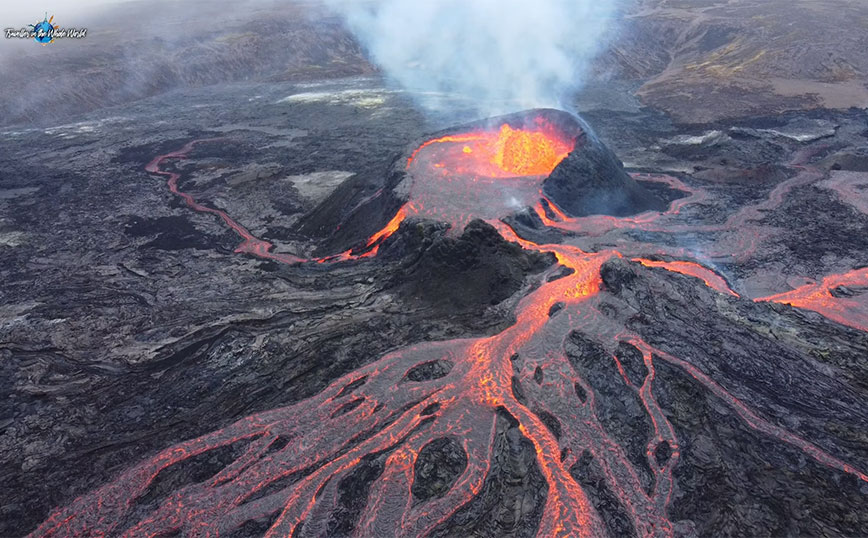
(711, 279)
(390, 228)
(485, 174)
(372, 245)
(818, 297)
(506, 152)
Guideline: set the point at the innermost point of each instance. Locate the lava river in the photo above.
(293, 459)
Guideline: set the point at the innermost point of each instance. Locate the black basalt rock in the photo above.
(478, 267)
(592, 181)
(616, 275)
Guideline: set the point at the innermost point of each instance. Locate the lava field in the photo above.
(330, 319)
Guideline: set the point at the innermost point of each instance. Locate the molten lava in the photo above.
(818, 297)
(711, 279)
(504, 152)
(486, 173)
(292, 460)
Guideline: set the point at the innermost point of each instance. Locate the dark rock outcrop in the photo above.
(477, 268)
(592, 181)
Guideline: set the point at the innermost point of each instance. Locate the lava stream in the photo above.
(253, 245)
(819, 298)
(711, 279)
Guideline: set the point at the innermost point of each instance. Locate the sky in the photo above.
(14, 14)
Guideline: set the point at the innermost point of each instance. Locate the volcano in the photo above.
(544, 159)
(276, 297)
(493, 167)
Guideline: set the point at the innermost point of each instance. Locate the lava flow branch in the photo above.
(821, 297)
(291, 462)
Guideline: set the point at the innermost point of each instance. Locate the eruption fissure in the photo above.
(392, 410)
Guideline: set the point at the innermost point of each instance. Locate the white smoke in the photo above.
(503, 54)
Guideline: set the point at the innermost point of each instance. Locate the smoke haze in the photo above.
(17, 14)
(503, 54)
(474, 57)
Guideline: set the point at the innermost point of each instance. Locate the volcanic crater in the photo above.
(544, 159)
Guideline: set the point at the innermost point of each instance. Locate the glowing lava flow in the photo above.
(507, 152)
(485, 174)
(291, 462)
(818, 297)
(253, 245)
(711, 279)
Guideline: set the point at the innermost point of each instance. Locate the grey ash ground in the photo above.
(128, 323)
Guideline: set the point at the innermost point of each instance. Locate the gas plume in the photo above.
(503, 55)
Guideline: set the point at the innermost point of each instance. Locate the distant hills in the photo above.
(704, 60)
(698, 60)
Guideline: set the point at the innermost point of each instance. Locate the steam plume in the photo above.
(502, 54)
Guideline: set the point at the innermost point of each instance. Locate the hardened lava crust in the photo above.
(253, 317)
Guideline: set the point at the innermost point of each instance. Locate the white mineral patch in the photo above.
(804, 130)
(11, 239)
(316, 186)
(361, 98)
(69, 130)
(708, 138)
